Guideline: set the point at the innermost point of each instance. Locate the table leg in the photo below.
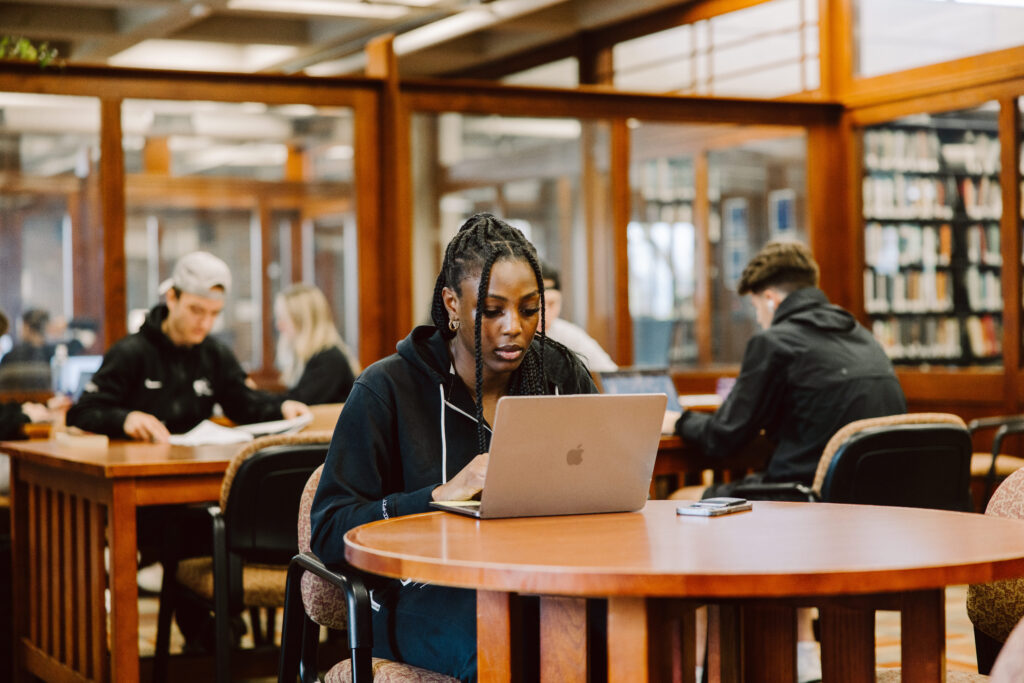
(563, 639)
(769, 642)
(493, 636)
(124, 589)
(628, 640)
(923, 636)
(723, 644)
(21, 574)
(847, 644)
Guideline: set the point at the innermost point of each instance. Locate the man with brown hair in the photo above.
(810, 371)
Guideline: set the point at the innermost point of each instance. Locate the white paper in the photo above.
(277, 426)
(207, 432)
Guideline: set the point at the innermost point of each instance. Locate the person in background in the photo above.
(315, 364)
(34, 346)
(166, 378)
(416, 428)
(81, 336)
(811, 370)
(567, 333)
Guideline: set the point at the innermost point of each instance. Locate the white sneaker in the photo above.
(808, 662)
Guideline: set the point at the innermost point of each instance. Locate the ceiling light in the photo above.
(327, 8)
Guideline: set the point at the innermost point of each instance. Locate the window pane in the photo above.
(893, 35)
(528, 171)
(206, 175)
(932, 206)
(762, 51)
(756, 192)
(50, 224)
(564, 73)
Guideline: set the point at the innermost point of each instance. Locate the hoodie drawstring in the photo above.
(444, 441)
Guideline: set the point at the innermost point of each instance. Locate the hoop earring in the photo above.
(453, 325)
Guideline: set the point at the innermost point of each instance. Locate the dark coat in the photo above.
(814, 370)
(179, 385)
(327, 378)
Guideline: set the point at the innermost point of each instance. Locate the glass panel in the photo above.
(892, 35)
(50, 229)
(757, 191)
(726, 55)
(662, 246)
(932, 206)
(206, 175)
(528, 171)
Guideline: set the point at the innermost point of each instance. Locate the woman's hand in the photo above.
(467, 483)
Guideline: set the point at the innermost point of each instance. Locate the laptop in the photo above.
(641, 381)
(568, 455)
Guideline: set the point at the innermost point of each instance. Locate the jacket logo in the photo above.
(153, 383)
(202, 387)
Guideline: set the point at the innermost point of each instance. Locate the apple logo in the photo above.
(575, 455)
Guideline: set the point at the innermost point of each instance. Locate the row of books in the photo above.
(922, 151)
(937, 338)
(983, 198)
(914, 291)
(907, 197)
(930, 291)
(889, 246)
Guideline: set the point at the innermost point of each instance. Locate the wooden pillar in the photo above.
(115, 318)
(702, 290)
(393, 249)
(1010, 246)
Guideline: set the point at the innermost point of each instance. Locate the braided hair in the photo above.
(481, 241)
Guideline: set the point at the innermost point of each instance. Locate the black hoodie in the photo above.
(814, 370)
(179, 385)
(397, 440)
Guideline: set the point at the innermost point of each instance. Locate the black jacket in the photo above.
(179, 385)
(327, 378)
(387, 449)
(814, 370)
(12, 421)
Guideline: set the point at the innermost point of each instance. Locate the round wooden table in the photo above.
(846, 559)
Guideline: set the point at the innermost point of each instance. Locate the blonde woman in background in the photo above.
(315, 364)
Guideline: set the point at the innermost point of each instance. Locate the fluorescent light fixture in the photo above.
(197, 55)
(323, 8)
(467, 21)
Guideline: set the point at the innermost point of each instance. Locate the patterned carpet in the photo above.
(960, 654)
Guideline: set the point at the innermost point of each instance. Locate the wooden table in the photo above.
(68, 504)
(846, 559)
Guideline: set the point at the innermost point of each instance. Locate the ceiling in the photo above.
(319, 37)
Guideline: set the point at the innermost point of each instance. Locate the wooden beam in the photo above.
(115, 313)
(1010, 247)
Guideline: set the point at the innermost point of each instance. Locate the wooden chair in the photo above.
(317, 596)
(253, 540)
(990, 468)
(912, 460)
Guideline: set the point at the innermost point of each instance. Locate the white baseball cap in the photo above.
(199, 273)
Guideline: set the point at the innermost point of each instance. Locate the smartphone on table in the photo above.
(713, 507)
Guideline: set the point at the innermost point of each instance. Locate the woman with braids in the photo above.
(416, 428)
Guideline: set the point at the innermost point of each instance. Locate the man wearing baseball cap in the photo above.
(166, 378)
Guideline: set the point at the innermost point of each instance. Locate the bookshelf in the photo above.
(932, 204)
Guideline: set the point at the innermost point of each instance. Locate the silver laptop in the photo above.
(568, 455)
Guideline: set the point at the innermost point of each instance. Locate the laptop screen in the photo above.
(655, 381)
(76, 372)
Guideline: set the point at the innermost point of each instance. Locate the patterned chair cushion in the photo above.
(849, 430)
(385, 671)
(263, 584)
(323, 602)
(995, 608)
